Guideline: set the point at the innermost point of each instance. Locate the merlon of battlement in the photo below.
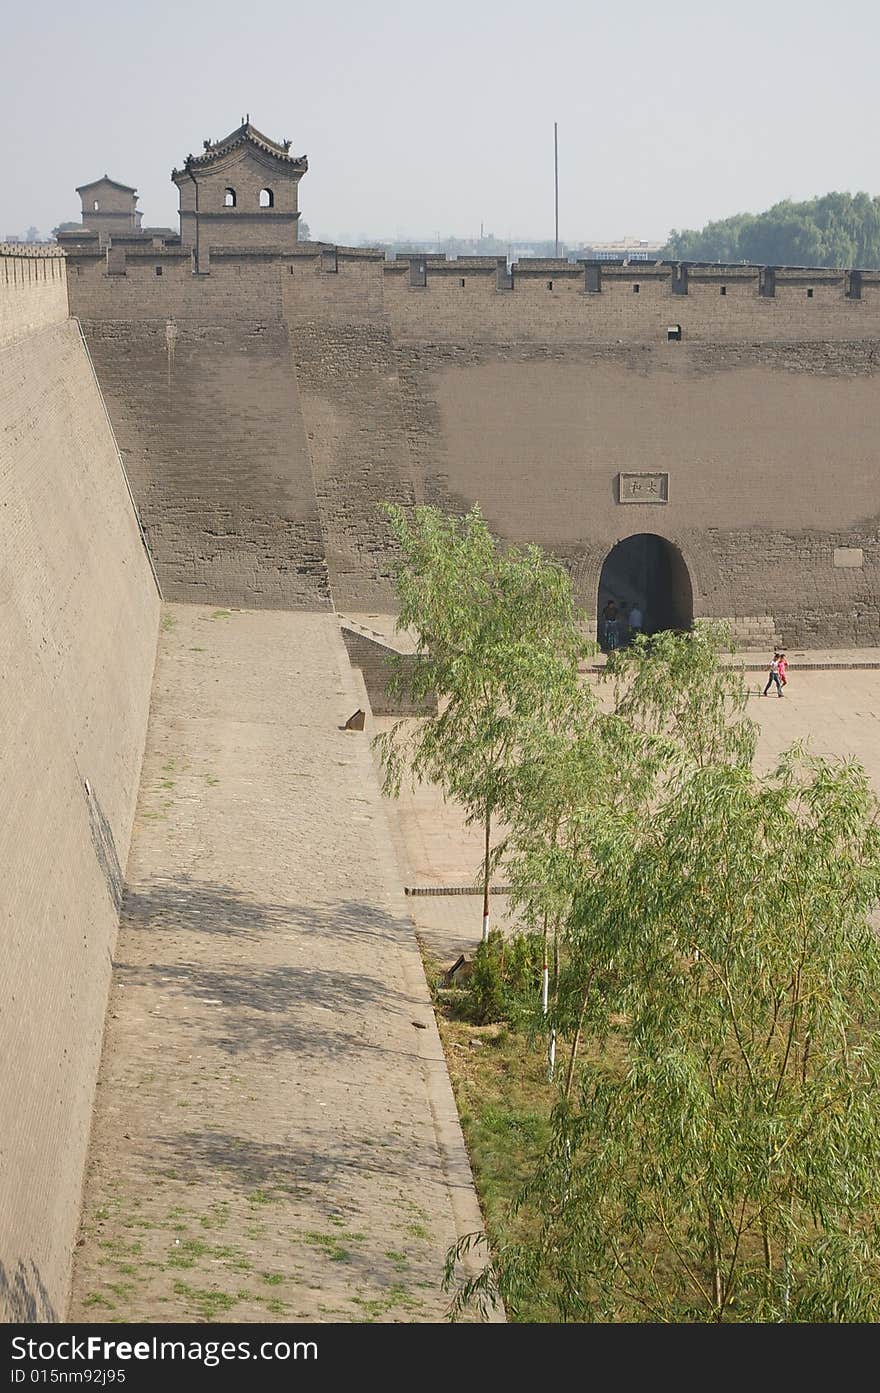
(30, 249)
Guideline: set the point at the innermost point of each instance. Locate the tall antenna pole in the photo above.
(556, 178)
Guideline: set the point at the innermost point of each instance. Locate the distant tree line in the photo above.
(838, 229)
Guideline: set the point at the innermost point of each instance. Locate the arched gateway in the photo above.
(649, 572)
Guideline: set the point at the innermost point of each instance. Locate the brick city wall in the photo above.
(769, 454)
(33, 289)
(533, 400)
(386, 674)
(200, 383)
(754, 391)
(78, 624)
(347, 370)
(548, 302)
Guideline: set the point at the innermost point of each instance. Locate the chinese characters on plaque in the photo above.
(643, 488)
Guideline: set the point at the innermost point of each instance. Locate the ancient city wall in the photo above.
(200, 382)
(471, 299)
(346, 366)
(753, 392)
(33, 289)
(757, 411)
(78, 624)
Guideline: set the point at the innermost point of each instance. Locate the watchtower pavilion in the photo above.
(241, 192)
(109, 208)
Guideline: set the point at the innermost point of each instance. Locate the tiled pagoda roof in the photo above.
(245, 134)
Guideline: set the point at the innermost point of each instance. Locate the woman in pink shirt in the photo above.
(783, 669)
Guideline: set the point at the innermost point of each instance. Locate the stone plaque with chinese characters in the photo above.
(643, 488)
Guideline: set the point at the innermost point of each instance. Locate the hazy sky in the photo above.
(420, 119)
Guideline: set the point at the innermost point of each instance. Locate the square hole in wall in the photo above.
(723, 290)
(549, 285)
(810, 293)
(158, 270)
(673, 333)
(636, 288)
(461, 282)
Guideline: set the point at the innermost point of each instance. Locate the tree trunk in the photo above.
(768, 1262)
(717, 1289)
(486, 874)
(576, 1041)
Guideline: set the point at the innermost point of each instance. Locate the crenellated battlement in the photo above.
(33, 289)
(675, 278)
(466, 299)
(30, 251)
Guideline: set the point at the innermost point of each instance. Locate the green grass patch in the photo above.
(208, 1302)
(328, 1243)
(504, 1103)
(97, 1298)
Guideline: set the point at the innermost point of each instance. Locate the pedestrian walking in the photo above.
(783, 670)
(774, 677)
(635, 621)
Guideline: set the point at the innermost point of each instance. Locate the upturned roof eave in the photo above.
(244, 135)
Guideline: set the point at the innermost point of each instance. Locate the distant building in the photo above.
(109, 207)
(627, 249)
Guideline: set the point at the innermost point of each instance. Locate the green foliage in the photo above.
(499, 647)
(717, 1160)
(496, 632)
(675, 688)
(504, 980)
(716, 974)
(838, 229)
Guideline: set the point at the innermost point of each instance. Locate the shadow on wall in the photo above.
(105, 847)
(23, 1296)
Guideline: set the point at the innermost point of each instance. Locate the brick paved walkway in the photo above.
(275, 1135)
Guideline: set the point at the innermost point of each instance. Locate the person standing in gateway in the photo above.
(610, 621)
(635, 619)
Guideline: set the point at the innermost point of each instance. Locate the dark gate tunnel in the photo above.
(649, 572)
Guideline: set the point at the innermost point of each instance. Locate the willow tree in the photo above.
(498, 644)
(717, 1158)
(589, 778)
(688, 689)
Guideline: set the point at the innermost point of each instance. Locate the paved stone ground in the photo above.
(275, 1135)
(836, 712)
